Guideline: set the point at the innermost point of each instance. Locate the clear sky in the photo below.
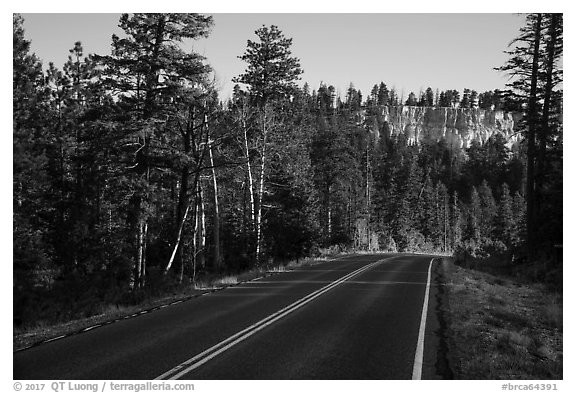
(406, 51)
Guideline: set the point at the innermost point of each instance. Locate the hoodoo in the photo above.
(457, 126)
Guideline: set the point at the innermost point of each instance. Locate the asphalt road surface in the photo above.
(357, 317)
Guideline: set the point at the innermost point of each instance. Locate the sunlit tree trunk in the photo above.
(249, 173)
(217, 257)
(260, 197)
(202, 227)
(178, 239)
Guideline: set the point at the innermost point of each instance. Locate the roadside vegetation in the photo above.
(55, 319)
(503, 327)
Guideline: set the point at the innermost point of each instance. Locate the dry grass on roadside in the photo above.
(40, 331)
(503, 330)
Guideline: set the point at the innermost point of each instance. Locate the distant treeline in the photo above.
(380, 95)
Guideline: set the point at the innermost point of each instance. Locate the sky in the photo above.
(407, 51)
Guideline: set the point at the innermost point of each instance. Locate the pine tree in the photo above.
(325, 99)
(383, 94)
(427, 217)
(429, 101)
(449, 98)
(473, 227)
(373, 100)
(497, 99)
(535, 72)
(454, 98)
(411, 101)
(271, 75)
(407, 205)
(519, 209)
(485, 100)
(422, 100)
(547, 179)
(442, 217)
(393, 98)
(474, 99)
(456, 222)
(353, 98)
(292, 219)
(488, 211)
(148, 69)
(78, 152)
(465, 102)
(443, 101)
(32, 212)
(272, 70)
(505, 229)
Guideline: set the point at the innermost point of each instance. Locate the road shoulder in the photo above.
(497, 328)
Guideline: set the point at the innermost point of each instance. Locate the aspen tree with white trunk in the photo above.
(148, 68)
(270, 76)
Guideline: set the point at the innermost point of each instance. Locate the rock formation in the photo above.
(457, 126)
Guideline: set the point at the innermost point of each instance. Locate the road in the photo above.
(357, 317)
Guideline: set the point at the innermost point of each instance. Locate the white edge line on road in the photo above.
(418, 358)
(231, 341)
(54, 339)
(91, 327)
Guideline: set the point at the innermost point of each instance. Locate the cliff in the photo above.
(458, 127)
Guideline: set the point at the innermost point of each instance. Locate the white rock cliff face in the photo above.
(458, 127)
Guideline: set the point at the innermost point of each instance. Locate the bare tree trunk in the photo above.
(261, 193)
(192, 144)
(543, 129)
(368, 202)
(329, 220)
(195, 239)
(328, 201)
(140, 253)
(217, 258)
(349, 210)
(446, 222)
(109, 222)
(250, 178)
(136, 223)
(177, 247)
(532, 122)
(181, 275)
(196, 235)
(143, 272)
(178, 239)
(182, 209)
(202, 229)
(249, 227)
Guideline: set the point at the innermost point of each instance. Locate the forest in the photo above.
(131, 175)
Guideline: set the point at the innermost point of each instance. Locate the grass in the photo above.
(41, 330)
(501, 329)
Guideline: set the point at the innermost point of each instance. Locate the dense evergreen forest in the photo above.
(131, 173)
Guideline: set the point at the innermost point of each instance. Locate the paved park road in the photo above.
(357, 317)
